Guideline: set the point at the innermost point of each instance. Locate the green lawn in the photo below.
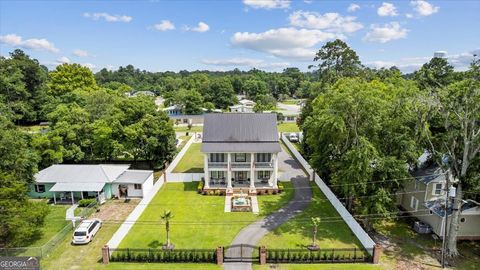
(192, 161)
(291, 101)
(297, 232)
(54, 222)
(199, 221)
(185, 129)
(288, 127)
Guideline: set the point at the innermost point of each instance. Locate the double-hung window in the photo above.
(240, 157)
(264, 157)
(437, 189)
(217, 157)
(414, 203)
(40, 188)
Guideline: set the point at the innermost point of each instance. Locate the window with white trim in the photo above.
(241, 157)
(138, 186)
(217, 157)
(264, 157)
(438, 189)
(263, 174)
(414, 203)
(40, 188)
(217, 174)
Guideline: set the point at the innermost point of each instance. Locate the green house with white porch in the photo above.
(68, 183)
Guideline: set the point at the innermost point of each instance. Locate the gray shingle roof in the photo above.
(240, 132)
(133, 177)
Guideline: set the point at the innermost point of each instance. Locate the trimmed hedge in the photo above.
(162, 256)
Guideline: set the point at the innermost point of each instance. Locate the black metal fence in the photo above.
(351, 255)
(161, 255)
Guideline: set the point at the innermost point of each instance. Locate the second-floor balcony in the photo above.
(240, 165)
(217, 165)
(264, 165)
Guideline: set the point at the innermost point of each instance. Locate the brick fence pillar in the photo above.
(220, 255)
(105, 254)
(263, 255)
(377, 251)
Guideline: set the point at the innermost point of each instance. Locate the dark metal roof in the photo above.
(240, 132)
(438, 207)
(240, 127)
(429, 174)
(267, 147)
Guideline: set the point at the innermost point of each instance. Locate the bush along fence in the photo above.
(263, 256)
(318, 256)
(152, 255)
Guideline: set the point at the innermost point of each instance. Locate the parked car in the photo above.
(86, 231)
(293, 137)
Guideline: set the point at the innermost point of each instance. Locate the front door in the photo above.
(240, 177)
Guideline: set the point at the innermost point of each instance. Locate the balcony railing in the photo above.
(217, 165)
(240, 165)
(263, 165)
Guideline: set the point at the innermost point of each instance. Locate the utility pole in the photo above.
(444, 243)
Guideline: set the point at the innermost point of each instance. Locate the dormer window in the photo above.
(438, 188)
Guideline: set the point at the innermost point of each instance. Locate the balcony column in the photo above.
(252, 172)
(229, 171)
(275, 170)
(207, 173)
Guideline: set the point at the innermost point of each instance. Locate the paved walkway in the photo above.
(134, 215)
(254, 232)
(70, 214)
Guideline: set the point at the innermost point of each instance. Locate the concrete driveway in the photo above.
(254, 232)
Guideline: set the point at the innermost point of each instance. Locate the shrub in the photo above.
(211, 192)
(280, 188)
(86, 202)
(200, 187)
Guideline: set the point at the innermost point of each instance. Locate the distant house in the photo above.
(142, 93)
(243, 106)
(64, 183)
(424, 198)
(240, 151)
(174, 110)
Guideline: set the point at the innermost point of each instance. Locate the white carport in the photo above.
(76, 187)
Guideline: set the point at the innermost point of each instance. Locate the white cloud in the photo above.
(201, 27)
(308, 1)
(267, 4)
(409, 15)
(245, 62)
(423, 8)
(290, 43)
(353, 7)
(164, 25)
(387, 9)
(388, 32)
(108, 17)
(460, 61)
(32, 43)
(80, 53)
(331, 22)
(89, 65)
(63, 60)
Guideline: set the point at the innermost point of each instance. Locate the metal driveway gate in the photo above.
(241, 253)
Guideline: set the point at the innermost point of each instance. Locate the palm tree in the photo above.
(167, 216)
(316, 222)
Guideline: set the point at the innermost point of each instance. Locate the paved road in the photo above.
(254, 232)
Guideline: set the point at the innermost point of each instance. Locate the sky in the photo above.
(220, 35)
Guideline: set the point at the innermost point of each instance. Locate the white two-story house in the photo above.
(240, 151)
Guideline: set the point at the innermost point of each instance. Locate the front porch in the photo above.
(71, 193)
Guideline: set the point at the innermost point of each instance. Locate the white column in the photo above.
(229, 172)
(275, 170)
(252, 172)
(54, 198)
(81, 194)
(73, 200)
(207, 173)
